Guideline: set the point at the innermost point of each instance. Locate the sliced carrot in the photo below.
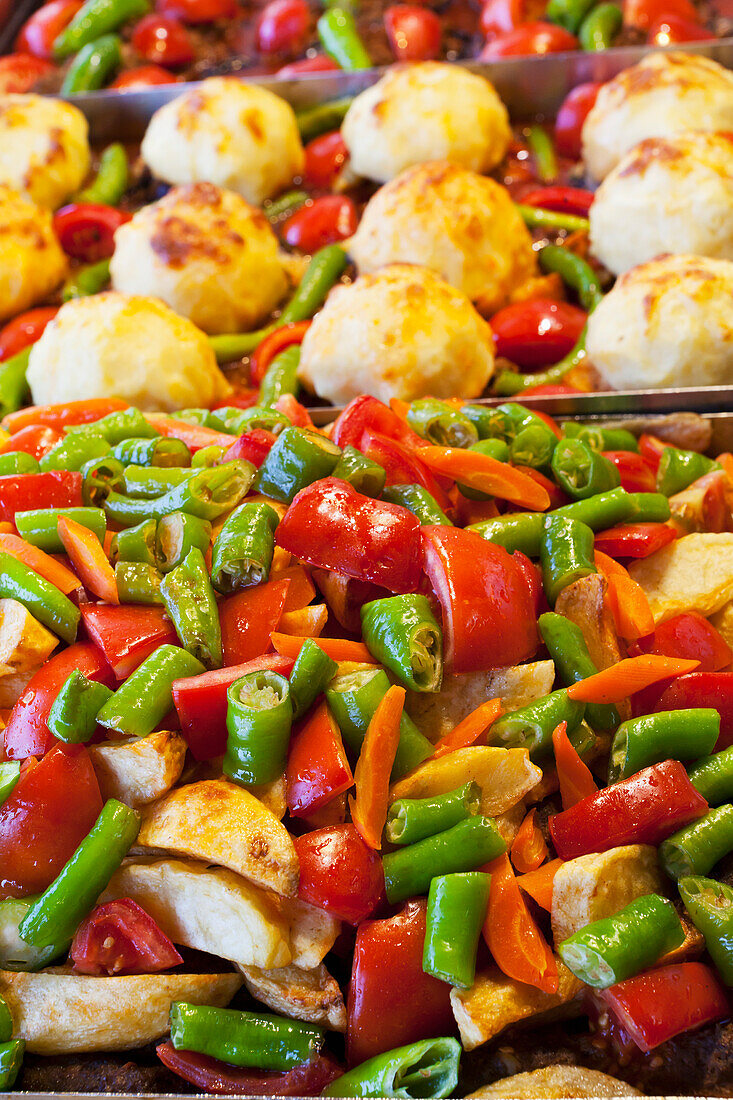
(6, 528)
(338, 649)
(575, 777)
(59, 416)
(305, 622)
(519, 948)
(40, 562)
(302, 589)
(538, 884)
(373, 768)
(529, 849)
(401, 408)
(89, 559)
(108, 539)
(726, 461)
(627, 600)
(486, 474)
(468, 731)
(633, 674)
(195, 436)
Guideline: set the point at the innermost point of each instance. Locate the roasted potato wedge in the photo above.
(505, 776)
(695, 573)
(310, 995)
(24, 642)
(140, 769)
(555, 1083)
(313, 932)
(273, 796)
(13, 686)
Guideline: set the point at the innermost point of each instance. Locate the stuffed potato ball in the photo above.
(31, 261)
(44, 151)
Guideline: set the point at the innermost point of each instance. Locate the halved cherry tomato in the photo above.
(636, 474)
(198, 11)
(86, 230)
(283, 26)
(19, 72)
(669, 30)
(571, 116)
(325, 156)
(163, 40)
(339, 872)
(24, 330)
(566, 200)
(121, 938)
(145, 76)
(324, 221)
(537, 332)
(414, 32)
(321, 63)
(273, 344)
(643, 14)
(500, 16)
(40, 31)
(529, 39)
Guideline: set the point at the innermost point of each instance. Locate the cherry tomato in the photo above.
(325, 156)
(19, 72)
(538, 332)
(198, 11)
(38, 34)
(121, 938)
(321, 63)
(321, 222)
(283, 26)
(528, 39)
(501, 16)
(566, 200)
(643, 14)
(24, 330)
(339, 873)
(414, 32)
(145, 76)
(669, 30)
(86, 230)
(571, 116)
(162, 40)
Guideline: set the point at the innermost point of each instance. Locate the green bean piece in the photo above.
(568, 13)
(6, 1022)
(208, 456)
(538, 217)
(600, 27)
(533, 446)
(314, 121)
(513, 531)
(418, 501)
(341, 40)
(44, 601)
(176, 535)
(712, 776)
(11, 1061)
(255, 1039)
(441, 423)
(568, 649)
(409, 871)
(413, 819)
(281, 208)
(491, 422)
(193, 416)
(404, 635)
(207, 494)
(615, 948)
(15, 953)
(73, 715)
(617, 506)
(566, 553)
(75, 451)
(696, 848)
(144, 699)
(297, 458)
(14, 390)
(190, 603)
(366, 475)
(236, 421)
(101, 476)
(111, 180)
(600, 439)
(581, 471)
(259, 719)
(93, 65)
(95, 18)
(678, 469)
(710, 907)
(281, 377)
(353, 699)
(151, 482)
(575, 272)
(9, 776)
(531, 726)
(18, 462)
(127, 423)
(425, 1069)
(87, 280)
(511, 382)
(312, 672)
(457, 907)
(543, 151)
(672, 734)
(159, 452)
(74, 892)
(135, 544)
(138, 583)
(243, 549)
(39, 526)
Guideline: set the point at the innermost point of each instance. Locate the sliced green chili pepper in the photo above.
(153, 452)
(75, 451)
(177, 534)
(95, 18)
(127, 423)
(533, 446)
(568, 13)
(696, 848)
(150, 482)
(615, 948)
(312, 672)
(413, 819)
(537, 217)
(14, 390)
(209, 456)
(6, 1022)
(73, 715)
(138, 582)
(543, 152)
(111, 180)
(582, 738)
(409, 871)
(712, 776)
(510, 382)
(285, 205)
(135, 544)
(255, 1039)
(85, 281)
(457, 906)
(418, 501)
(366, 475)
(259, 719)
(193, 416)
(492, 422)
(143, 700)
(581, 471)
(314, 121)
(11, 1061)
(710, 906)
(425, 1069)
(15, 953)
(18, 462)
(600, 27)
(297, 458)
(513, 531)
(566, 553)
(672, 734)
(617, 506)
(9, 776)
(341, 40)
(190, 603)
(404, 635)
(242, 551)
(531, 727)
(101, 476)
(441, 423)
(519, 416)
(575, 272)
(600, 439)
(74, 892)
(44, 601)
(207, 494)
(281, 376)
(678, 469)
(39, 526)
(569, 651)
(93, 65)
(234, 420)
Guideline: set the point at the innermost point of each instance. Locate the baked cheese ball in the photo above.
(207, 253)
(672, 194)
(666, 323)
(225, 132)
(44, 151)
(461, 225)
(31, 261)
(429, 111)
(115, 345)
(400, 332)
(665, 94)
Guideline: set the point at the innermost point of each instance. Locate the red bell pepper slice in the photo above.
(127, 634)
(66, 414)
(402, 465)
(660, 1004)
(121, 938)
(332, 526)
(296, 413)
(691, 636)
(488, 609)
(391, 1001)
(566, 200)
(253, 446)
(45, 818)
(636, 473)
(201, 703)
(86, 231)
(634, 540)
(651, 448)
(643, 809)
(317, 768)
(277, 341)
(703, 689)
(52, 489)
(339, 872)
(25, 330)
(35, 440)
(367, 413)
(26, 733)
(248, 618)
(211, 1075)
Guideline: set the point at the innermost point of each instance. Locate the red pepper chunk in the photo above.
(339, 872)
(121, 938)
(367, 413)
(317, 770)
(127, 633)
(332, 526)
(488, 607)
(35, 440)
(52, 489)
(643, 809)
(634, 540)
(703, 689)
(689, 635)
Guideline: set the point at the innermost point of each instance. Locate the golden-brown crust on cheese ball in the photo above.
(31, 261)
(44, 151)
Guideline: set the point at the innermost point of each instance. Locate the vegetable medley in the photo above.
(437, 698)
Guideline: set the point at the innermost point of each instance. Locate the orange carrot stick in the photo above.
(627, 600)
(633, 674)
(302, 589)
(89, 559)
(488, 475)
(575, 778)
(373, 768)
(519, 948)
(338, 649)
(67, 413)
(538, 884)
(305, 622)
(468, 731)
(195, 436)
(529, 849)
(40, 562)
